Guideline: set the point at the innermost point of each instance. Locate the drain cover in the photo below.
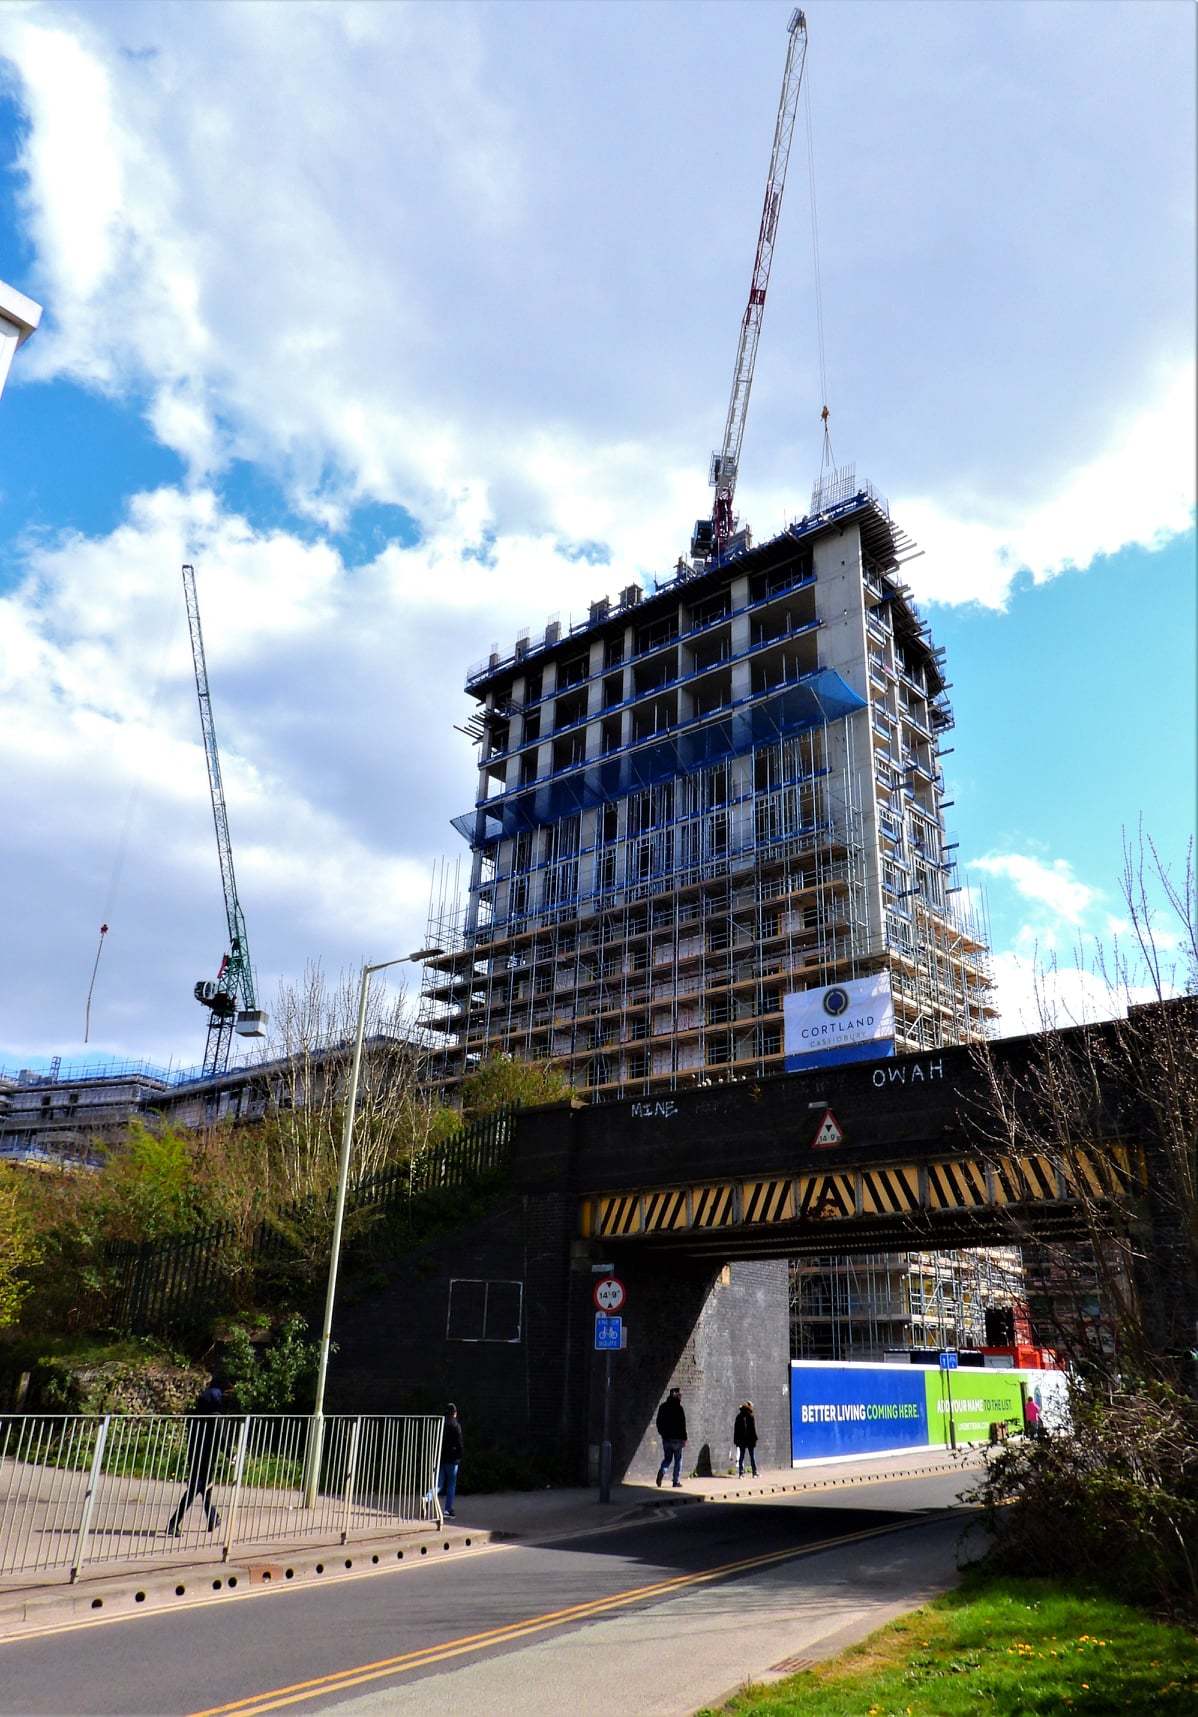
(791, 1665)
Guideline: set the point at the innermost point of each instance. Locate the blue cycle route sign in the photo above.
(608, 1333)
(948, 1360)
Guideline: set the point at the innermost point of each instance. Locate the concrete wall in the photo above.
(722, 1337)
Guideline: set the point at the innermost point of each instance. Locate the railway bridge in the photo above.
(698, 1198)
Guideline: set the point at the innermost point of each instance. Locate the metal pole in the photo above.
(238, 1471)
(605, 1445)
(316, 1434)
(347, 1138)
(952, 1426)
(350, 1471)
(89, 1497)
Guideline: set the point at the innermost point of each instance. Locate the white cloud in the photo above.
(335, 692)
(1139, 491)
(1035, 990)
(461, 260)
(496, 284)
(1050, 884)
(1072, 960)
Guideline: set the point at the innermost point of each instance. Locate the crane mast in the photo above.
(230, 998)
(711, 535)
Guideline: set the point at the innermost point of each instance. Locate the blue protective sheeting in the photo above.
(875, 1051)
(810, 702)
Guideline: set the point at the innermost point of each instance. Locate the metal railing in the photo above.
(78, 1489)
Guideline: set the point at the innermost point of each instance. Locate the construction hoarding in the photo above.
(844, 1411)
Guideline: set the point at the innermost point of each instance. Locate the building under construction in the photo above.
(700, 799)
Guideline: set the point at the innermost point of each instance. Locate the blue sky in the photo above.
(402, 376)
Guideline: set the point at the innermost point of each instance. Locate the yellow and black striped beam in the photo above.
(861, 1193)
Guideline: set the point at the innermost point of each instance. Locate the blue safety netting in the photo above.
(810, 702)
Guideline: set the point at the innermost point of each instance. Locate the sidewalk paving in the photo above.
(29, 1602)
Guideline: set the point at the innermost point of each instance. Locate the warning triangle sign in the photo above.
(829, 1132)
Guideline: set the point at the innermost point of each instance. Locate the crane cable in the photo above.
(827, 462)
(164, 644)
(87, 1012)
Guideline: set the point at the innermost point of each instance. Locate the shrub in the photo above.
(20, 1249)
(1115, 1501)
(502, 1082)
(267, 1377)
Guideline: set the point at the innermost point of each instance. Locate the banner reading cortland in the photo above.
(841, 1022)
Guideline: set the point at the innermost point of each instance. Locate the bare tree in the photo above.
(1111, 1110)
(306, 1066)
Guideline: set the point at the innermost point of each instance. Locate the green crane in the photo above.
(229, 997)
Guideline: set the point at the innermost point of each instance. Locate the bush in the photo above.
(20, 1249)
(78, 1374)
(267, 1377)
(503, 1081)
(1115, 1501)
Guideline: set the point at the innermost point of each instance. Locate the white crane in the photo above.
(711, 535)
(229, 997)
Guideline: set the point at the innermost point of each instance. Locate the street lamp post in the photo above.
(316, 1438)
(19, 317)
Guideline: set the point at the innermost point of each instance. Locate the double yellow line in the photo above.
(465, 1644)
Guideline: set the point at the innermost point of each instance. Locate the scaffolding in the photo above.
(649, 944)
(701, 799)
(860, 1308)
(684, 813)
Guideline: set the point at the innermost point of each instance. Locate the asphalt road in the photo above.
(651, 1618)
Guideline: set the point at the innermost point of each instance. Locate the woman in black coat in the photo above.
(744, 1435)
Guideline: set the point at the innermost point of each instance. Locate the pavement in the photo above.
(30, 1603)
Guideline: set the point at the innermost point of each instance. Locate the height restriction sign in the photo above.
(828, 1132)
(609, 1294)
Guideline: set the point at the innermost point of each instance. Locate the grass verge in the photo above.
(1008, 1647)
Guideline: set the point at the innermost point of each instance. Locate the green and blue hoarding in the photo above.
(844, 1411)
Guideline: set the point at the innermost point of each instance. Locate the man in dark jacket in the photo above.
(671, 1428)
(744, 1435)
(203, 1434)
(453, 1447)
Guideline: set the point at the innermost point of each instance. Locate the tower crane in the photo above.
(229, 997)
(711, 535)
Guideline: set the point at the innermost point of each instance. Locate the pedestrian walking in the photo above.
(671, 1428)
(203, 1436)
(453, 1446)
(744, 1435)
(1031, 1417)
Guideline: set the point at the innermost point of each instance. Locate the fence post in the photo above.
(312, 1458)
(89, 1497)
(238, 1470)
(350, 1470)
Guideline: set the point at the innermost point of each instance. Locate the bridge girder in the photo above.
(916, 1205)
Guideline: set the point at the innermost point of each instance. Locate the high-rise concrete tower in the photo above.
(703, 799)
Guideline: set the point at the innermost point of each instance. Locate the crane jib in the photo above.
(711, 536)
